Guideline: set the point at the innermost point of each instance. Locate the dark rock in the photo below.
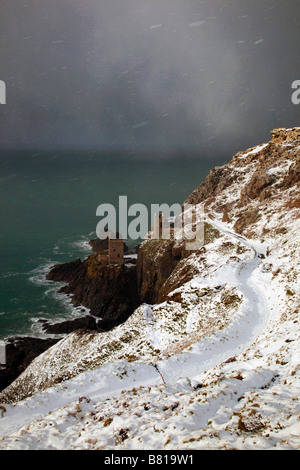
(98, 244)
(225, 218)
(245, 219)
(259, 181)
(156, 261)
(293, 176)
(109, 291)
(65, 272)
(20, 352)
(182, 273)
(66, 327)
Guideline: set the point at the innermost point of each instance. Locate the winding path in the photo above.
(107, 381)
(245, 327)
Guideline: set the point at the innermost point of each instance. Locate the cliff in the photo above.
(213, 349)
(113, 293)
(156, 261)
(109, 291)
(161, 266)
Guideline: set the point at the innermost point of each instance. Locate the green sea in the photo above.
(48, 215)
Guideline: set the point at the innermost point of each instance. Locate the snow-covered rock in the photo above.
(216, 365)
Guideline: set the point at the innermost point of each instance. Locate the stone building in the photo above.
(115, 252)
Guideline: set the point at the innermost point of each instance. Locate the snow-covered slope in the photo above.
(214, 366)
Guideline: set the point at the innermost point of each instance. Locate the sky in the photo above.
(200, 76)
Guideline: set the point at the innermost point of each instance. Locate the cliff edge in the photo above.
(213, 350)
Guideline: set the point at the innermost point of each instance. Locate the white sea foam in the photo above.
(38, 275)
(69, 247)
(82, 245)
(66, 310)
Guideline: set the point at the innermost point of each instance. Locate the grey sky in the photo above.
(209, 76)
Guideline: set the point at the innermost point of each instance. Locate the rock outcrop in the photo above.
(293, 176)
(65, 327)
(20, 352)
(256, 195)
(259, 181)
(109, 291)
(282, 135)
(263, 183)
(246, 193)
(156, 261)
(160, 266)
(217, 180)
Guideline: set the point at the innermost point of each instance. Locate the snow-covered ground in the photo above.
(218, 369)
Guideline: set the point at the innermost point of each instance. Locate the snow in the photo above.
(242, 330)
(217, 370)
(254, 150)
(106, 382)
(155, 26)
(197, 23)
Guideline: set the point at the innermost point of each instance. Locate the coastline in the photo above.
(22, 349)
(212, 352)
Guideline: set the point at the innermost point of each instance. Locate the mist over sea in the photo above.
(48, 215)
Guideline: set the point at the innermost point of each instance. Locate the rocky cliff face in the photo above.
(156, 261)
(20, 352)
(258, 181)
(114, 292)
(188, 294)
(282, 135)
(161, 266)
(109, 291)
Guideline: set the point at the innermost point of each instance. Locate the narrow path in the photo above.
(245, 327)
(247, 324)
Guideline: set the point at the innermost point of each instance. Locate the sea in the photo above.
(48, 215)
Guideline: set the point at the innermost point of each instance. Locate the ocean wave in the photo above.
(71, 313)
(64, 246)
(71, 247)
(38, 275)
(65, 300)
(68, 310)
(11, 274)
(82, 245)
(37, 327)
(65, 309)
